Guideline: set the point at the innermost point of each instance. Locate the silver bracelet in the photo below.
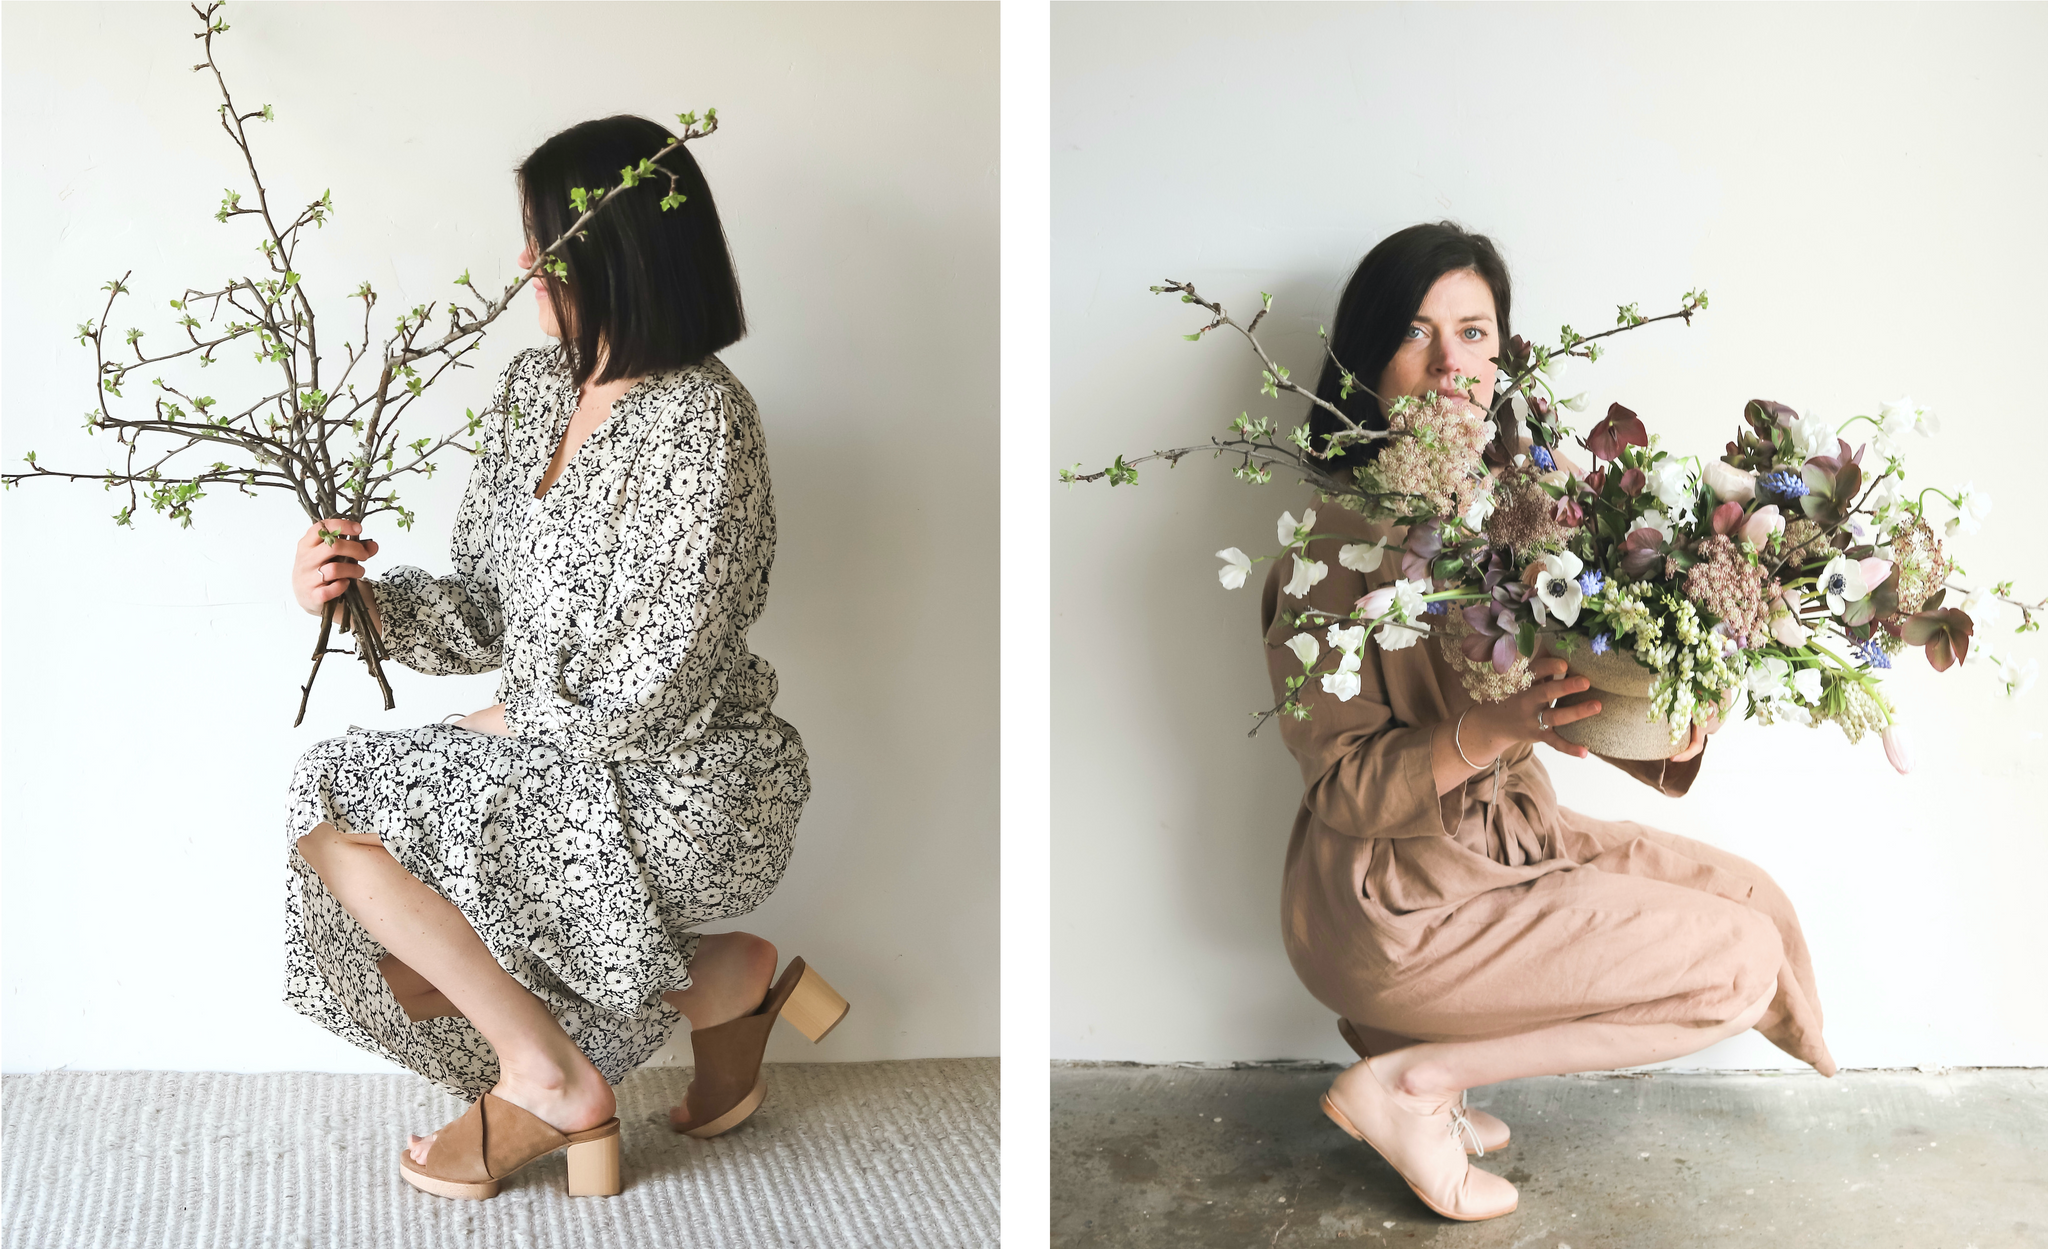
(1460, 746)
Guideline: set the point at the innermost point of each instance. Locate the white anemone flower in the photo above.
(1362, 557)
(1556, 591)
(1307, 572)
(1236, 566)
(1841, 583)
(1291, 530)
(1305, 649)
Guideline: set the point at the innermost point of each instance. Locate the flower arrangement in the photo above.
(1792, 569)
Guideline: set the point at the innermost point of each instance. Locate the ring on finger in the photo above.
(1539, 719)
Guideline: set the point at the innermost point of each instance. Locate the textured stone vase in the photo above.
(1623, 729)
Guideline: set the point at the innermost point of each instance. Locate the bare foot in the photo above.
(569, 1097)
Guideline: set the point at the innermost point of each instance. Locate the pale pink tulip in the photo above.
(1898, 748)
(1762, 523)
(1875, 571)
(1375, 605)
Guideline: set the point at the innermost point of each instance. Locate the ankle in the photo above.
(1414, 1077)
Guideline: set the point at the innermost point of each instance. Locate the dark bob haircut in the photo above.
(1379, 304)
(655, 287)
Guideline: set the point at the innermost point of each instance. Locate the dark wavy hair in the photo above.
(656, 287)
(1378, 305)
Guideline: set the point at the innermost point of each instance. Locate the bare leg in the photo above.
(540, 1068)
(419, 999)
(1433, 1068)
(728, 978)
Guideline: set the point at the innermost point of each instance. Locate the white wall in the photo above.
(150, 675)
(1859, 190)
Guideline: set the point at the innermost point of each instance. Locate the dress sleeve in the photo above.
(684, 579)
(1365, 772)
(452, 625)
(1662, 775)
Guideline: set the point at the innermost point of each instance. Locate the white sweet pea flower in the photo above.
(1884, 495)
(1305, 649)
(1344, 683)
(1306, 573)
(1482, 507)
(1654, 519)
(1900, 415)
(1408, 600)
(1770, 677)
(2019, 677)
(1362, 557)
(1671, 481)
(1519, 403)
(1555, 591)
(1236, 566)
(1396, 636)
(1291, 530)
(1972, 506)
(1807, 684)
(1576, 403)
(1555, 368)
(1812, 436)
(1983, 608)
(1351, 641)
(1841, 583)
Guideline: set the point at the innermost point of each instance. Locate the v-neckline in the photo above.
(574, 400)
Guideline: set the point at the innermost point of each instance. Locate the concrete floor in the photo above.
(1192, 1157)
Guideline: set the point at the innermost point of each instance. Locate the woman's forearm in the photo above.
(1453, 768)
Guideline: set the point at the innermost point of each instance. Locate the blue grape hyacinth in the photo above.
(1872, 654)
(1590, 582)
(1785, 484)
(1602, 643)
(1544, 460)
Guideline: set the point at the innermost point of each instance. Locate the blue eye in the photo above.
(1414, 330)
(1476, 332)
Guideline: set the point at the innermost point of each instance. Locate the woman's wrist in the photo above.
(1478, 741)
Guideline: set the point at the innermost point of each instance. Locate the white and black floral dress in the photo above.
(644, 788)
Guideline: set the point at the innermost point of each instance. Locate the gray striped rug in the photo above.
(895, 1154)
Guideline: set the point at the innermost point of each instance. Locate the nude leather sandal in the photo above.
(494, 1138)
(1474, 1195)
(1487, 1133)
(727, 1086)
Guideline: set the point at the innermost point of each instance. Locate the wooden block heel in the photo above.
(594, 1167)
(815, 1007)
(727, 1086)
